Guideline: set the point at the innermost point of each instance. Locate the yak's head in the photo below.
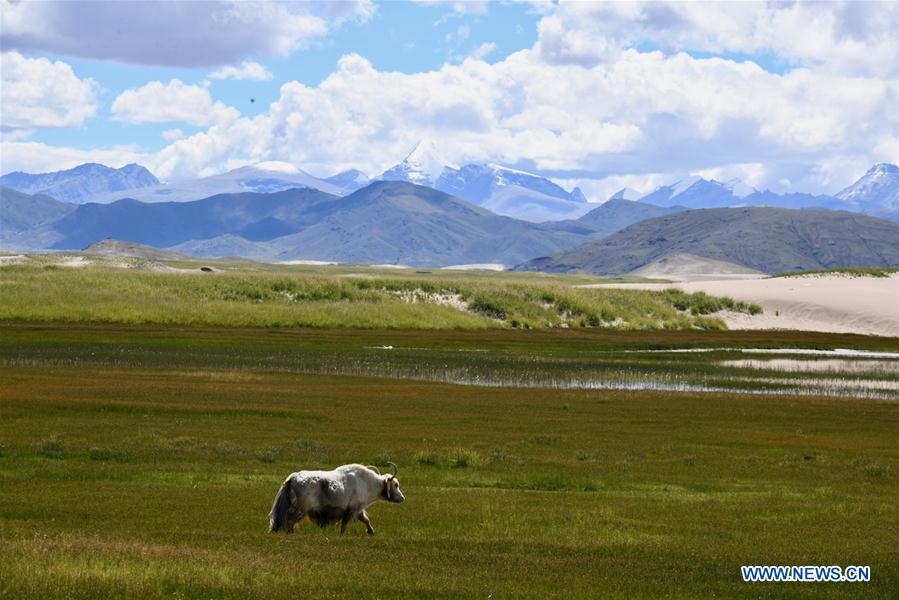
(392, 491)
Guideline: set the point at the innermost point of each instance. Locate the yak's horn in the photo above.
(394, 468)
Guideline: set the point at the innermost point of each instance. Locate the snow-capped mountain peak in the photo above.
(876, 189)
(349, 180)
(738, 188)
(681, 186)
(626, 194)
(423, 165)
(276, 166)
(883, 169)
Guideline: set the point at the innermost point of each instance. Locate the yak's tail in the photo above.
(278, 516)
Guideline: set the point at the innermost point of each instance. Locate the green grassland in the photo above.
(141, 461)
(249, 295)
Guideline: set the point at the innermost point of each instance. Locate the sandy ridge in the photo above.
(829, 303)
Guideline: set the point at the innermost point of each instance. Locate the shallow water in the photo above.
(835, 365)
(848, 374)
(794, 351)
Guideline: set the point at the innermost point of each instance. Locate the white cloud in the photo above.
(172, 134)
(189, 34)
(39, 93)
(459, 7)
(247, 70)
(483, 50)
(157, 102)
(848, 37)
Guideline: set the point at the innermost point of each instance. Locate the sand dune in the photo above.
(689, 267)
(834, 303)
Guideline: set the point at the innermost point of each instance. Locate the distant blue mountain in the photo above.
(387, 222)
(79, 184)
(349, 180)
(876, 193)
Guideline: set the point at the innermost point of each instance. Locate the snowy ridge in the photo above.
(81, 183)
(504, 190)
(877, 189)
(423, 165)
(263, 177)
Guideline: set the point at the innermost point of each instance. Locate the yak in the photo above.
(334, 496)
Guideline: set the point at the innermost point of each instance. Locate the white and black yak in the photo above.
(334, 496)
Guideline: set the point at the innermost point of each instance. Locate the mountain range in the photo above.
(505, 191)
(766, 239)
(274, 211)
(264, 177)
(385, 222)
(81, 184)
(498, 188)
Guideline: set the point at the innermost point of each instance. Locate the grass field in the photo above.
(134, 291)
(141, 461)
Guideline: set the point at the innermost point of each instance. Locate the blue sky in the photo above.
(404, 37)
(791, 97)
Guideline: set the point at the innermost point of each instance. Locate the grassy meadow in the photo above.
(148, 417)
(245, 295)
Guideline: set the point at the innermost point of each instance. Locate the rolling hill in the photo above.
(770, 240)
(611, 216)
(401, 223)
(252, 216)
(111, 247)
(385, 222)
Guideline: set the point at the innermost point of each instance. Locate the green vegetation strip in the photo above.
(857, 272)
(270, 296)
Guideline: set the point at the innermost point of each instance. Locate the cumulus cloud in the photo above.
(187, 34)
(157, 102)
(849, 37)
(39, 93)
(172, 134)
(483, 50)
(247, 70)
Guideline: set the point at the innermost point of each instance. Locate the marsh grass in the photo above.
(285, 298)
(427, 457)
(52, 447)
(462, 458)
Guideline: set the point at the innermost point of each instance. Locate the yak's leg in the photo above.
(292, 519)
(294, 516)
(363, 516)
(346, 518)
